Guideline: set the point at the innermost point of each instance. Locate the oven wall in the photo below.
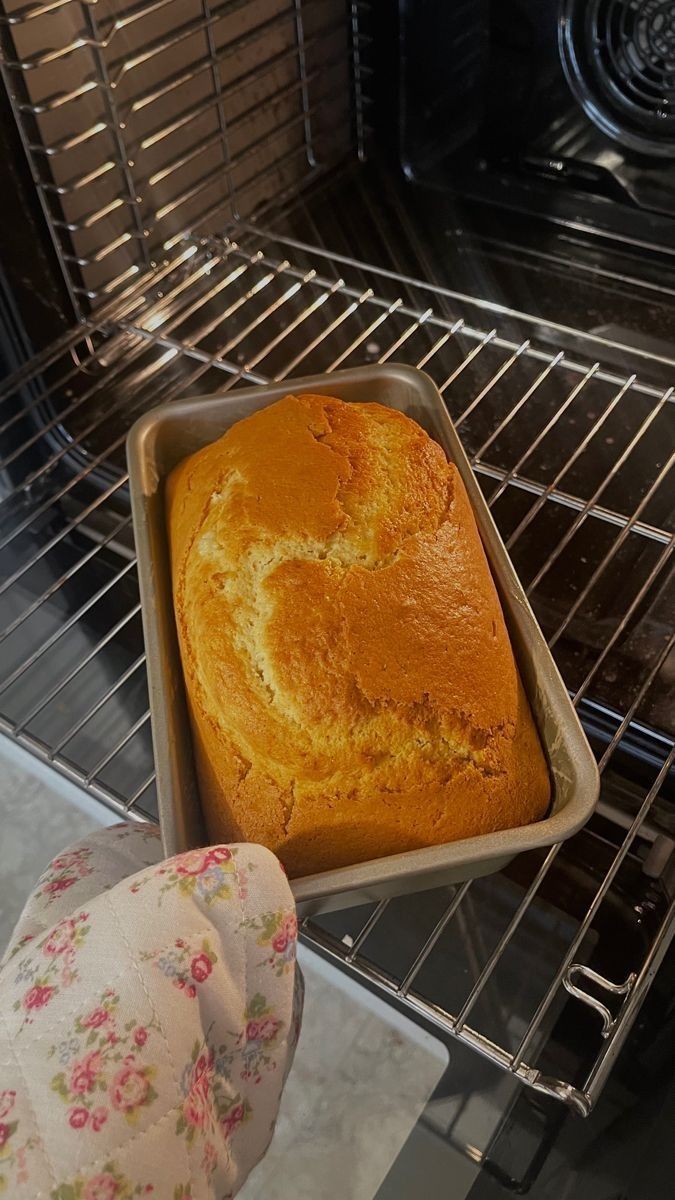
(141, 121)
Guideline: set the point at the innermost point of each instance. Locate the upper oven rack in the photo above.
(256, 306)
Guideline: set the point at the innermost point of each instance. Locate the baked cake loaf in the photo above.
(351, 684)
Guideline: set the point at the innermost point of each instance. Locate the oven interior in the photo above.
(210, 194)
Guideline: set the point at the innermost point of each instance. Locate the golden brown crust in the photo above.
(352, 688)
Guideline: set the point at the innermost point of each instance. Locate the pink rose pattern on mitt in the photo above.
(277, 932)
(50, 967)
(14, 1148)
(156, 1022)
(63, 872)
(187, 966)
(102, 1066)
(107, 1184)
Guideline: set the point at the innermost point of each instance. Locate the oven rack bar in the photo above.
(236, 310)
(537, 325)
(167, 115)
(153, 216)
(161, 335)
(104, 38)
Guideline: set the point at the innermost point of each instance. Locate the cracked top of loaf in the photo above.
(351, 684)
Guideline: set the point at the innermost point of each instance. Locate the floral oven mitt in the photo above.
(149, 1012)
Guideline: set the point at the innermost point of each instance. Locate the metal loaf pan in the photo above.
(156, 443)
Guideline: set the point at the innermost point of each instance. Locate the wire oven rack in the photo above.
(554, 434)
(141, 120)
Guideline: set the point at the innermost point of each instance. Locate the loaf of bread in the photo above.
(351, 684)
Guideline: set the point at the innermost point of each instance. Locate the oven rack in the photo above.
(255, 306)
(141, 120)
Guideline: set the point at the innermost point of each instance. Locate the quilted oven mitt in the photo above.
(149, 1012)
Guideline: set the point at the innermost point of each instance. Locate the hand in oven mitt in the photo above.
(149, 1012)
